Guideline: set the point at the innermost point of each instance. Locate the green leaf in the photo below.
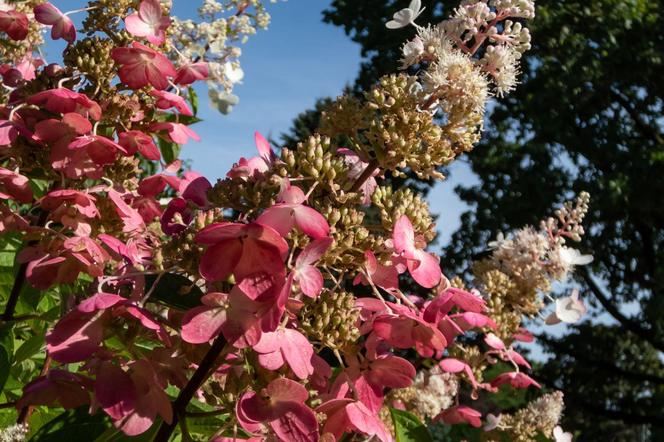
(193, 99)
(169, 150)
(408, 427)
(115, 435)
(29, 348)
(5, 364)
(73, 426)
(39, 186)
(175, 291)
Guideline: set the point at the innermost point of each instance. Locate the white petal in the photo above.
(567, 310)
(415, 6)
(584, 259)
(401, 19)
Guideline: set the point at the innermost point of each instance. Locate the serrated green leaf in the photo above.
(193, 99)
(408, 428)
(169, 150)
(175, 291)
(5, 364)
(29, 348)
(73, 426)
(39, 186)
(114, 435)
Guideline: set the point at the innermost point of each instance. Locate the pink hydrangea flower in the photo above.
(190, 73)
(255, 166)
(515, 379)
(383, 276)
(423, 266)
(305, 273)
(14, 24)
(63, 100)
(14, 186)
(281, 406)
(357, 167)
(347, 415)
(141, 65)
(61, 25)
(291, 212)
(148, 22)
(136, 141)
(286, 346)
(241, 250)
(167, 100)
(57, 387)
(176, 132)
(461, 414)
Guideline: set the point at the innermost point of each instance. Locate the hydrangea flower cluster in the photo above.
(215, 38)
(272, 302)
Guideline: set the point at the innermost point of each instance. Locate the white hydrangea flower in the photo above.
(233, 72)
(569, 309)
(14, 433)
(560, 435)
(222, 100)
(406, 16)
(455, 77)
(436, 391)
(515, 8)
(502, 63)
(571, 257)
(492, 422)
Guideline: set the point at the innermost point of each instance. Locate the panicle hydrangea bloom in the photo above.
(215, 39)
(293, 299)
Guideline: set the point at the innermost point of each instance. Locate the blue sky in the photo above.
(287, 67)
(298, 59)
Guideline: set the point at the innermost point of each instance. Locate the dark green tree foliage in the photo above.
(587, 116)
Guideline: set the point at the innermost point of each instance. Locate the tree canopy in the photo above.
(587, 117)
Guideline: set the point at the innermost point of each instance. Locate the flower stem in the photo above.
(187, 393)
(371, 168)
(8, 314)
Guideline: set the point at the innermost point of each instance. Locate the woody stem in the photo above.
(187, 393)
(8, 314)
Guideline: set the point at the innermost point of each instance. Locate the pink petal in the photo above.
(310, 280)
(494, 342)
(219, 260)
(75, 337)
(297, 423)
(217, 232)
(279, 217)
(282, 389)
(264, 149)
(298, 351)
(452, 365)
(313, 251)
(366, 422)
(403, 235)
(201, 324)
(114, 391)
(310, 222)
(392, 372)
(427, 271)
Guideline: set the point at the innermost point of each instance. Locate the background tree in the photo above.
(588, 117)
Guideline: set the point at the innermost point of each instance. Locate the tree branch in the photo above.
(631, 325)
(643, 126)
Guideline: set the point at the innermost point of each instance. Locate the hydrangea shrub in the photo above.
(294, 300)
